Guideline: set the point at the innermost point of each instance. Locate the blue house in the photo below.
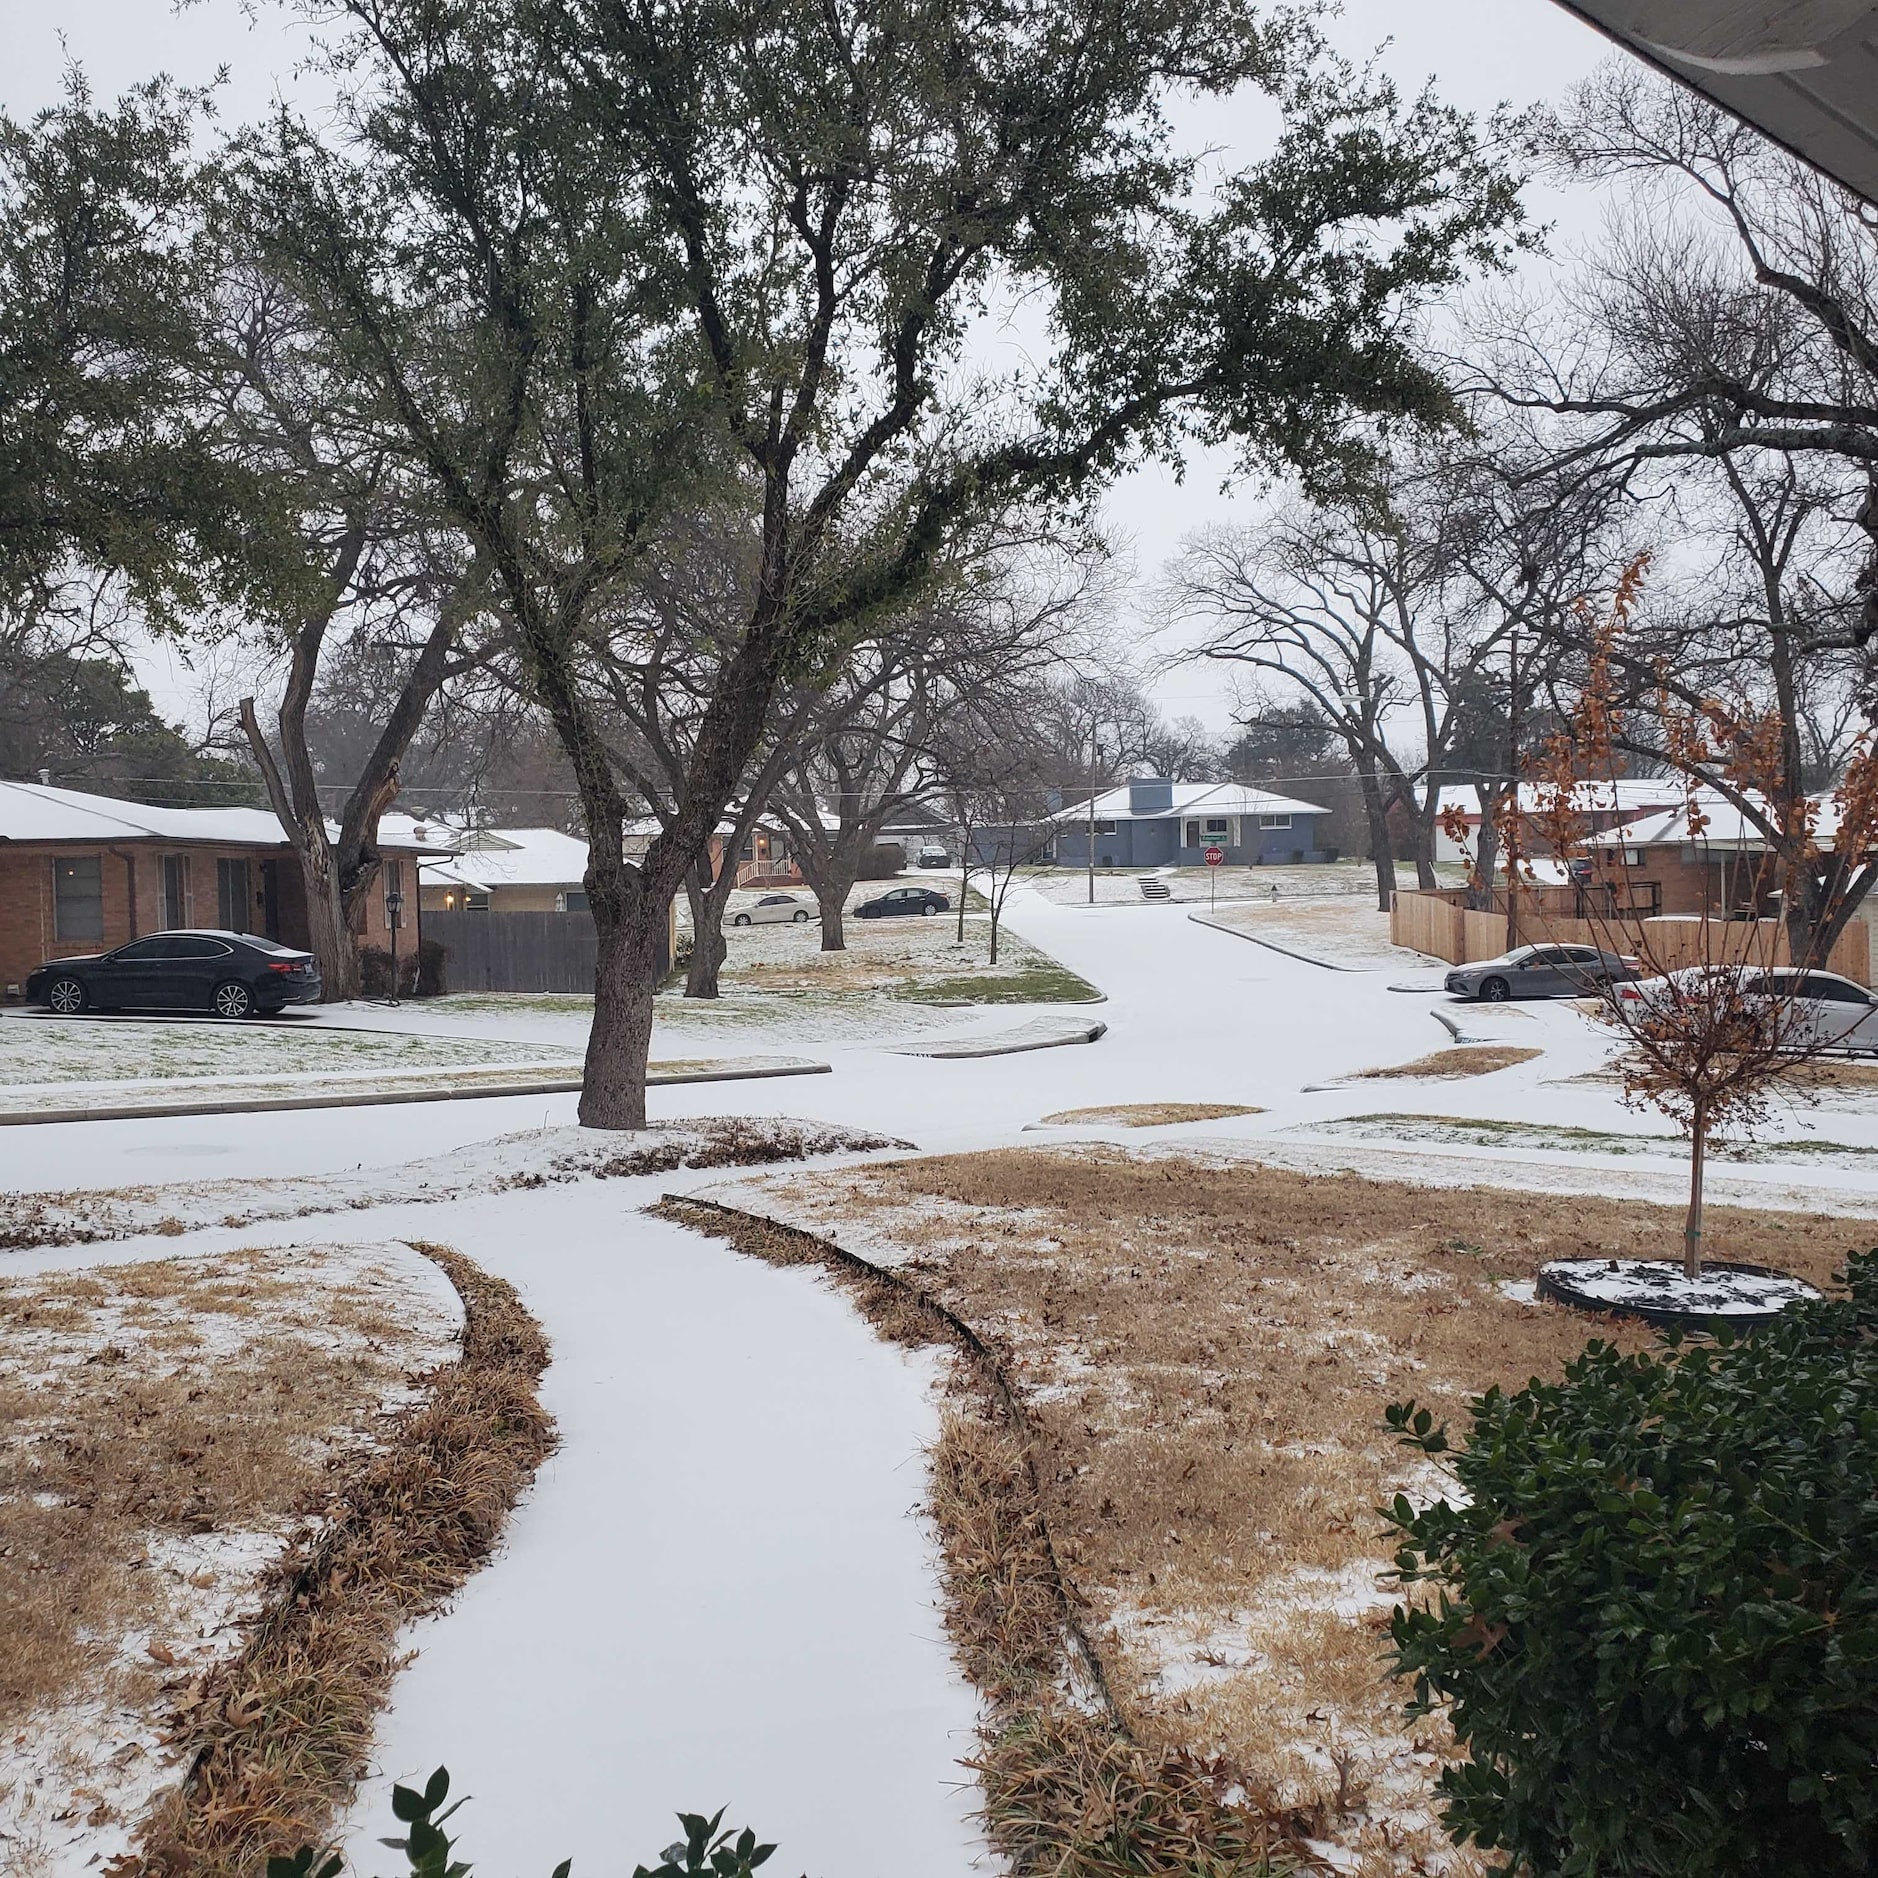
(1151, 822)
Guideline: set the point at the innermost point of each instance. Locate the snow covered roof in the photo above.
(1625, 794)
(1116, 805)
(1725, 828)
(486, 858)
(39, 812)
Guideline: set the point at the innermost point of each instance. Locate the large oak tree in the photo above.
(590, 253)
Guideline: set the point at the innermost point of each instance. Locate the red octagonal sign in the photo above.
(1214, 856)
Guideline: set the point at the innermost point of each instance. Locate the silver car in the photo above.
(1818, 1010)
(1548, 971)
(774, 909)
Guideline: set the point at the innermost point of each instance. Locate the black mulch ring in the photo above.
(1656, 1291)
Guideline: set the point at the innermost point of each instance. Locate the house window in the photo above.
(231, 894)
(78, 897)
(574, 900)
(1274, 821)
(1217, 828)
(1105, 828)
(175, 890)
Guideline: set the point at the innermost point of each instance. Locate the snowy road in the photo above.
(717, 1592)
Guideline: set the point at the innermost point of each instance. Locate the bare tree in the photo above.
(1003, 619)
(1710, 1044)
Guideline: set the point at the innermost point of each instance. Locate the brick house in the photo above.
(83, 873)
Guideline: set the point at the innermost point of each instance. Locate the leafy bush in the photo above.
(882, 862)
(430, 979)
(704, 1852)
(421, 974)
(1655, 1620)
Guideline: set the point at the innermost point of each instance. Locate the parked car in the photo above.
(934, 855)
(1826, 1010)
(774, 909)
(233, 974)
(1542, 972)
(901, 901)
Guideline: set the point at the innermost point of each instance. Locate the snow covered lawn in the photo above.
(1206, 1351)
(1553, 1137)
(40, 1050)
(161, 1426)
(538, 1158)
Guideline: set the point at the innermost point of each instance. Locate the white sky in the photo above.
(1479, 53)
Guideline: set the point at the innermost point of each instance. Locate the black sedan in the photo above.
(233, 974)
(901, 901)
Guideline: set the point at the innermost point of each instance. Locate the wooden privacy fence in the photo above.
(1442, 926)
(487, 951)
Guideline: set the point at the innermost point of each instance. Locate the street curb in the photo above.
(1271, 945)
(991, 1046)
(137, 1112)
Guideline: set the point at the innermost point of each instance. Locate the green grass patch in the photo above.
(1043, 983)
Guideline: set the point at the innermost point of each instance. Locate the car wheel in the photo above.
(66, 996)
(742, 919)
(928, 910)
(800, 916)
(1496, 991)
(233, 1000)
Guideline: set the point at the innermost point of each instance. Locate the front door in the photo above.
(270, 899)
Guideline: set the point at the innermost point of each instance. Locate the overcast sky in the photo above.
(1479, 53)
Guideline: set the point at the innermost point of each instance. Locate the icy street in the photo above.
(717, 1592)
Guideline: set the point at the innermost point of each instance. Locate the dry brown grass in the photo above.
(1069, 1791)
(1468, 1059)
(1152, 1114)
(160, 1425)
(1204, 1354)
(279, 1735)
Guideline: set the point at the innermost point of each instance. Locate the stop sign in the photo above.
(1214, 856)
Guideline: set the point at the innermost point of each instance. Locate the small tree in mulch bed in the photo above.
(1651, 1613)
(1727, 1019)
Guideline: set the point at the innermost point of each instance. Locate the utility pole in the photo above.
(1095, 762)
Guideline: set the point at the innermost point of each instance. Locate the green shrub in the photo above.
(704, 1852)
(1654, 1613)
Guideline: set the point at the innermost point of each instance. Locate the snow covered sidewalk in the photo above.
(719, 1592)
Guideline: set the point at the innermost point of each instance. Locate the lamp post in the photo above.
(394, 909)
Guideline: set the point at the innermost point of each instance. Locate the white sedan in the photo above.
(774, 909)
(1816, 1010)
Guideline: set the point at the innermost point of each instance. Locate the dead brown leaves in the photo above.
(1150, 1114)
(280, 1734)
(1203, 1354)
(1468, 1059)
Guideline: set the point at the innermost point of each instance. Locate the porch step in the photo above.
(1155, 890)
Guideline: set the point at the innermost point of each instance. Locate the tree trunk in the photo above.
(832, 905)
(1377, 817)
(329, 930)
(625, 975)
(708, 947)
(1486, 851)
(1692, 1226)
(1425, 876)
